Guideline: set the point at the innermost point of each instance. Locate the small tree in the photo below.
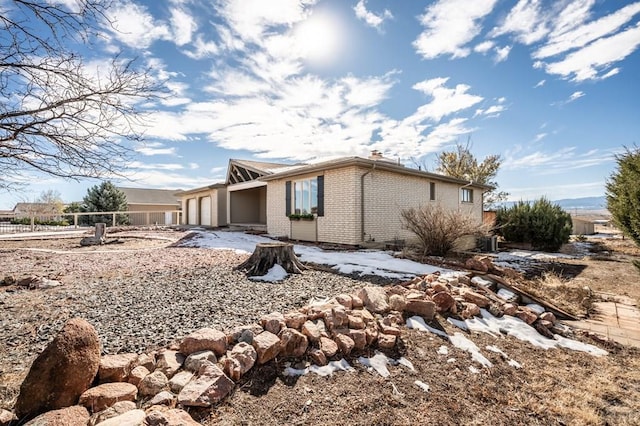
(438, 228)
(105, 198)
(543, 224)
(623, 195)
(462, 164)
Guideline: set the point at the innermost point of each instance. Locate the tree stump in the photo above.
(268, 254)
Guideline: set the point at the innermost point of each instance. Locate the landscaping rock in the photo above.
(244, 333)
(62, 372)
(116, 368)
(397, 302)
(163, 398)
(295, 319)
(6, 416)
(356, 302)
(470, 310)
(345, 300)
(193, 361)
(510, 309)
(526, 315)
(444, 301)
(374, 299)
(161, 416)
(204, 339)
(356, 321)
(208, 388)
(180, 380)
(169, 362)
(267, 346)
(115, 410)
(153, 383)
(273, 322)
(317, 356)
(147, 361)
(359, 338)
(105, 395)
(240, 360)
(345, 343)
(328, 347)
(292, 342)
(548, 316)
(130, 418)
(473, 297)
(476, 264)
(422, 307)
(137, 374)
(70, 416)
(386, 341)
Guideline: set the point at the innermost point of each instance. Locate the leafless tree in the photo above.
(63, 114)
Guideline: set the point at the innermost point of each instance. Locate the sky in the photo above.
(551, 86)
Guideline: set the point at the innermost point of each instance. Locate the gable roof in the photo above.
(151, 196)
(368, 163)
(240, 171)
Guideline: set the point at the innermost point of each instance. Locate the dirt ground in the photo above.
(555, 386)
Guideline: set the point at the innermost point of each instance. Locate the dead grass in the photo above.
(562, 292)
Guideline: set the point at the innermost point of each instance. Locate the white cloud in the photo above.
(491, 112)
(135, 27)
(159, 166)
(588, 62)
(370, 18)
(564, 159)
(575, 95)
(540, 83)
(449, 25)
(150, 149)
(539, 137)
(560, 191)
(182, 25)
(526, 20)
(484, 47)
(445, 100)
(502, 53)
(202, 49)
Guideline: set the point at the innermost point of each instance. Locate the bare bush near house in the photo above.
(438, 228)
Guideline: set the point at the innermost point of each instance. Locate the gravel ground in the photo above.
(137, 298)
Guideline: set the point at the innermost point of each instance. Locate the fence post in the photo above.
(147, 219)
(75, 220)
(33, 223)
(114, 219)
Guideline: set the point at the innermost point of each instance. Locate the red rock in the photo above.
(389, 329)
(359, 338)
(473, 297)
(293, 343)
(340, 316)
(240, 360)
(345, 300)
(62, 372)
(422, 307)
(310, 330)
(205, 339)
(438, 287)
(397, 302)
(510, 309)
(295, 319)
(6, 416)
(273, 322)
(137, 374)
(70, 416)
(169, 362)
(356, 322)
(317, 356)
(470, 310)
(356, 302)
(162, 416)
(153, 383)
(375, 299)
(386, 341)
(526, 315)
(267, 346)
(371, 333)
(444, 301)
(328, 346)
(116, 368)
(115, 410)
(195, 360)
(130, 418)
(148, 361)
(105, 395)
(548, 316)
(180, 380)
(476, 265)
(211, 386)
(345, 343)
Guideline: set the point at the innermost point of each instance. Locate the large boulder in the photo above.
(62, 372)
(69, 416)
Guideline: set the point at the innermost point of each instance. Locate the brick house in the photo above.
(350, 200)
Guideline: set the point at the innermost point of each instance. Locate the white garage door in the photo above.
(205, 211)
(191, 211)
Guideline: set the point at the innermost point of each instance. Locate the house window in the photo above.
(305, 196)
(467, 195)
(432, 191)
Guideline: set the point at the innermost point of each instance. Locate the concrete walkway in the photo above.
(617, 318)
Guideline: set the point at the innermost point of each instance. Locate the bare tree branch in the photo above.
(59, 114)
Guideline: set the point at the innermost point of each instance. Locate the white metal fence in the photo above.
(67, 221)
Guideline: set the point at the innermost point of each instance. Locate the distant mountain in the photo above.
(571, 205)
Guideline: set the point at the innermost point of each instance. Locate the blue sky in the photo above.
(551, 86)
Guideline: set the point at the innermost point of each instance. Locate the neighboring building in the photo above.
(159, 204)
(206, 206)
(349, 200)
(22, 210)
(582, 226)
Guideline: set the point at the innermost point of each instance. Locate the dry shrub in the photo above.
(552, 287)
(438, 228)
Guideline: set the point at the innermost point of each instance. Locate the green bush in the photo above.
(543, 224)
(36, 221)
(623, 194)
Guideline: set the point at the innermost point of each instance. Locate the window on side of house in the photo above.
(305, 196)
(467, 195)
(432, 191)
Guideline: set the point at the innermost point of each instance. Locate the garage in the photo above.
(205, 211)
(192, 212)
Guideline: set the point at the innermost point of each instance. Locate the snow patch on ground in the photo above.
(461, 342)
(326, 370)
(418, 323)
(275, 274)
(380, 361)
(364, 262)
(422, 385)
